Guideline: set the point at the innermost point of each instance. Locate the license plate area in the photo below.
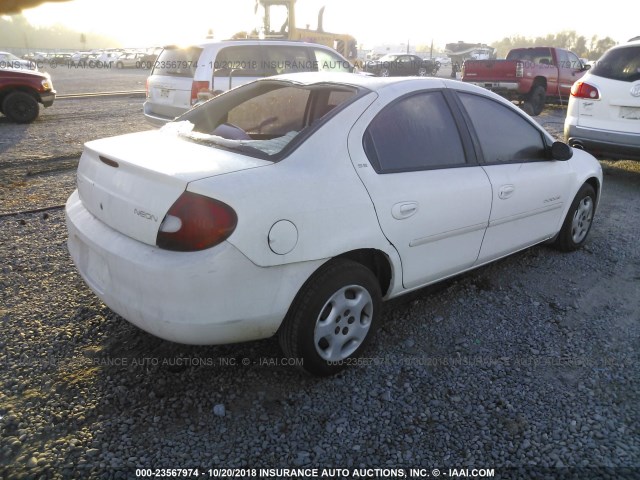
(630, 113)
(165, 93)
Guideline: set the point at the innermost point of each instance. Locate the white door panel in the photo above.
(435, 218)
(528, 200)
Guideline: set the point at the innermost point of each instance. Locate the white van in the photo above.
(181, 77)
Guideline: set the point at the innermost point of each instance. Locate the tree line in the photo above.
(590, 48)
(17, 33)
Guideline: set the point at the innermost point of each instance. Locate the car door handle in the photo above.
(404, 210)
(506, 191)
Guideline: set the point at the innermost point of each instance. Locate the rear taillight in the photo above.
(584, 90)
(146, 87)
(195, 222)
(196, 88)
(519, 69)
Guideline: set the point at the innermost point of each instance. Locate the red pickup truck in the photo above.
(20, 92)
(531, 75)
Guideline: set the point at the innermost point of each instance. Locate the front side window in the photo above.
(415, 133)
(504, 135)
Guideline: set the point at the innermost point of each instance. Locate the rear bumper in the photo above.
(603, 142)
(215, 296)
(157, 119)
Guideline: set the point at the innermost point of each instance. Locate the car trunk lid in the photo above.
(130, 182)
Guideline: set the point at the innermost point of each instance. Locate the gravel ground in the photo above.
(528, 366)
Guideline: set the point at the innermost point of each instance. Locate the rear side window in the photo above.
(288, 59)
(504, 136)
(619, 64)
(328, 62)
(539, 55)
(177, 62)
(415, 133)
(243, 61)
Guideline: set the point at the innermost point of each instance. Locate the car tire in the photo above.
(20, 107)
(534, 103)
(384, 72)
(332, 318)
(576, 225)
(119, 65)
(422, 72)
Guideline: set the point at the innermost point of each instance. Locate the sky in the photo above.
(152, 22)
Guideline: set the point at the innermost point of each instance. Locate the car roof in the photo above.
(358, 80)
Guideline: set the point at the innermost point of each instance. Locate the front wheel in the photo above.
(333, 317)
(20, 107)
(577, 223)
(422, 72)
(384, 72)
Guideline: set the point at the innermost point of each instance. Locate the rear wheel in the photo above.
(384, 72)
(577, 223)
(333, 317)
(534, 103)
(120, 65)
(422, 72)
(20, 107)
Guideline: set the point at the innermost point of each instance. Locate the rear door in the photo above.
(431, 199)
(171, 81)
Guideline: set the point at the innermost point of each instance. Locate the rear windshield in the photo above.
(262, 119)
(177, 62)
(619, 64)
(534, 55)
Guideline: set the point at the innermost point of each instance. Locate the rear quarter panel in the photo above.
(316, 188)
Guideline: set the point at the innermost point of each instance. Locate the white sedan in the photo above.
(296, 204)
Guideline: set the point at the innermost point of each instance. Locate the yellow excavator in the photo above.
(344, 44)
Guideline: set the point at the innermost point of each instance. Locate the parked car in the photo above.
(533, 75)
(400, 65)
(296, 204)
(21, 91)
(131, 60)
(182, 77)
(59, 59)
(9, 60)
(603, 116)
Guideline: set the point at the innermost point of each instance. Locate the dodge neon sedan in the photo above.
(295, 205)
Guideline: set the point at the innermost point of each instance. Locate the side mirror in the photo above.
(561, 151)
(585, 67)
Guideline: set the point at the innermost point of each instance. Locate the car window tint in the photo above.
(177, 62)
(272, 114)
(288, 59)
(504, 135)
(619, 64)
(240, 61)
(328, 62)
(415, 133)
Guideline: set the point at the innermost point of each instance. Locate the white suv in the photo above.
(181, 77)
(604, 109)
